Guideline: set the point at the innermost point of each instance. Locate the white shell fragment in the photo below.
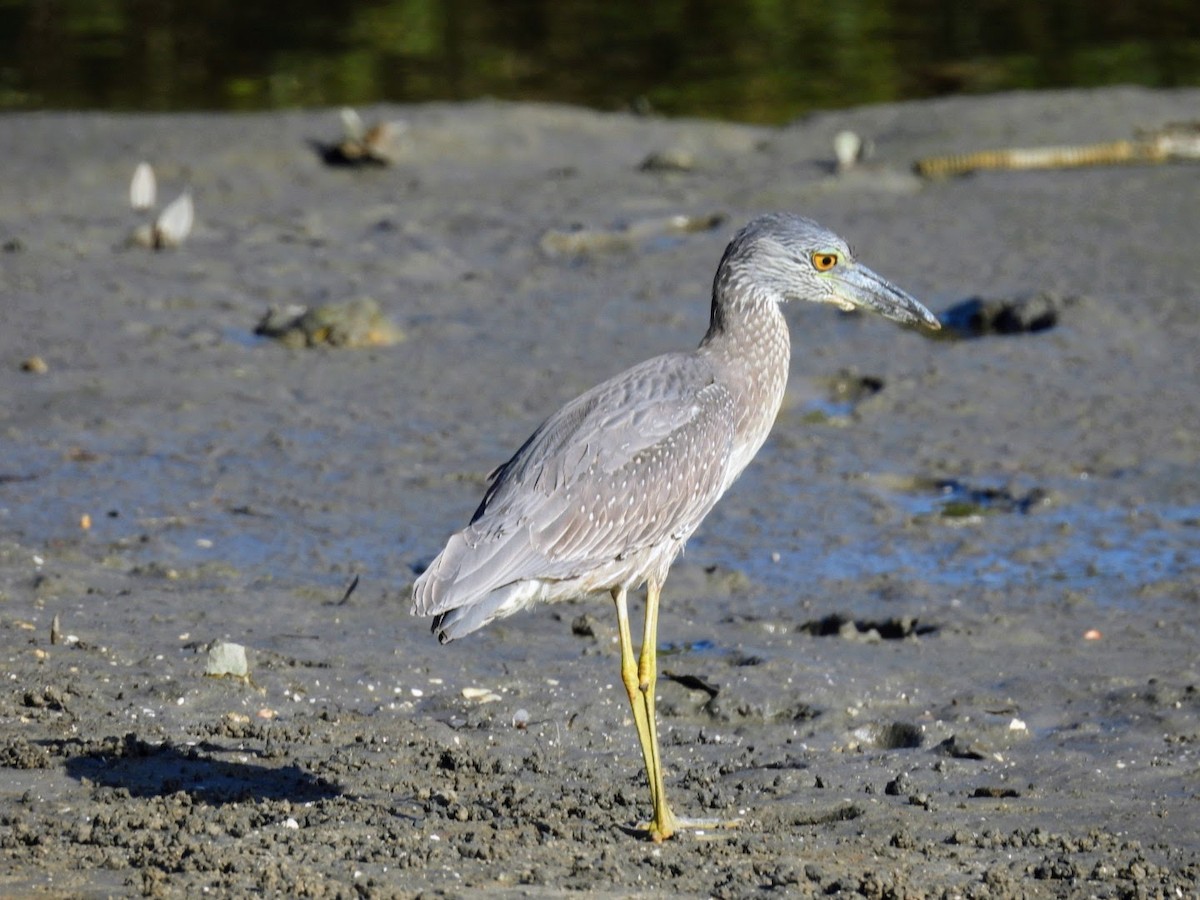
(226, 658)
(143, 188)
(353, 128)
(480, 695)
(174, 223)
(849, 150)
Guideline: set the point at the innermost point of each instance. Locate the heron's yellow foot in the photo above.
(661, 828)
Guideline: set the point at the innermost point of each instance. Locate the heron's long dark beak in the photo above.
(863, 289)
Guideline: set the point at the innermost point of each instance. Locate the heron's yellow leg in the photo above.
(640, 678)
(663, 824)
(642, 718)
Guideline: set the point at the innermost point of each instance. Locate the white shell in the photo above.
(352, 124)
(174, 224)
(142, 188)
(847, 149)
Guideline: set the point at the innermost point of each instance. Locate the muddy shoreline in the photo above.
(939, 640)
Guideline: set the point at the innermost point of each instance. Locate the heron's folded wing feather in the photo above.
(632, 462)
(606, 426)
(651, 493)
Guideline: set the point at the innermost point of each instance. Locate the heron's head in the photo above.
(784, 257)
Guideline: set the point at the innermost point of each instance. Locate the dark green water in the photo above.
(749, 60)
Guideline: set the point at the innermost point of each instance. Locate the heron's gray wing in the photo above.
(647, 493)
(606, 425)
(635, 460)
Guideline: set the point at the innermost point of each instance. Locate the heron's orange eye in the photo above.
(823, 262)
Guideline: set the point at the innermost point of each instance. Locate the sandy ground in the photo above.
(939, 641)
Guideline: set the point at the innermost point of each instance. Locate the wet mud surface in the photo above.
(939, 641)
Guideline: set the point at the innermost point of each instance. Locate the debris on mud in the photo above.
(671, 159)
(581, 240)
(979, 317)
(839, 625)
(889, 735)
(362, 145)
(844, 392)
(356, 323)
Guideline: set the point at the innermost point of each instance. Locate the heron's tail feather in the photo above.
(472, 582)
(468, 567)
(474, 615)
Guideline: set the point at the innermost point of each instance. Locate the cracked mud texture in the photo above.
(939, 641)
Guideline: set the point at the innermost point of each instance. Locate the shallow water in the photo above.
(160, 507)
(1074, 546)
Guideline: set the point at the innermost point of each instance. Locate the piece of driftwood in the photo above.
(1177, 141)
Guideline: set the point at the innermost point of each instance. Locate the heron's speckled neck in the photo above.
(748, 341)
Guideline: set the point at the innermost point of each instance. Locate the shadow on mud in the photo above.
(151, 770)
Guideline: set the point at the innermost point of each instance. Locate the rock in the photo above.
(227, 659)
(356, 323)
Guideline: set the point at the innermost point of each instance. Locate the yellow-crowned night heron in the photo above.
(603, 496)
